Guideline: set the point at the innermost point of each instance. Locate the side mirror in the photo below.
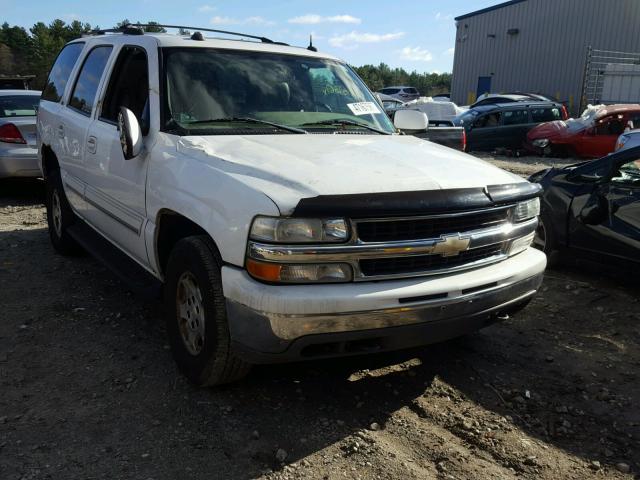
(411, 120)
(130, 133)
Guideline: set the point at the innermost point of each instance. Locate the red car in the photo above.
(593, 135)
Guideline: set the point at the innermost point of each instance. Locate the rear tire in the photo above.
(59, 216)
(196, 315)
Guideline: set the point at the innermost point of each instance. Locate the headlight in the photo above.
(521, 244)
(526, 210)
(541, 143)
(299, 230)
(304, 273)
(621, 142)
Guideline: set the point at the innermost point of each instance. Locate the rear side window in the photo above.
(390, 91)
(515, 117)
(412, 91)
(18, 105)
(86, 87)
(60, 72)
(545, 114)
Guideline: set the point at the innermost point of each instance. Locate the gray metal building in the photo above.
(543, 46)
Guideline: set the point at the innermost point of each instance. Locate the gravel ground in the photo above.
(89, 389)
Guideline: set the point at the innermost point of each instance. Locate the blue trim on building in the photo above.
(489, 9)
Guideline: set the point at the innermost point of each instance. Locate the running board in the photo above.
(127, 270)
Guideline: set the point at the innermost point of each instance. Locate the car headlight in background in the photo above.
(526, 210)
(541, 143)
(299, 230)
(621, 142)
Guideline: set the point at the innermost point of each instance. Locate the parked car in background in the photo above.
(593, 135)
(403, 93)
(18, 150)
(505, 125)
(593, 209)
(390, 104)
(628, 140)
(436, 111)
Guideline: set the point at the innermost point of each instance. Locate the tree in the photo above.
(377, 77)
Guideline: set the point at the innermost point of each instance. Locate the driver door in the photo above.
(116, 187)
(607, 220)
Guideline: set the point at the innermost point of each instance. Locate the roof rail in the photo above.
(138, 29)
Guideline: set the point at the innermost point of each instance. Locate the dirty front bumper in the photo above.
(284, 323)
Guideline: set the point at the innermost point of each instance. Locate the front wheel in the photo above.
(196, 315)
(59, 216)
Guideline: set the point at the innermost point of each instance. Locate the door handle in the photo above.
(61, 131)
(92, 144)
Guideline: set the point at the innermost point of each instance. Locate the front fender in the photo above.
(221, 205)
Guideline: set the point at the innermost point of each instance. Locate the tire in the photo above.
(545, 240)
(196, 315)
(59, 216)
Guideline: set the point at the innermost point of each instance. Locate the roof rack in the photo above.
(138, 29)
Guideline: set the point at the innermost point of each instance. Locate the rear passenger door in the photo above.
(75, 120)
(484, 135)
(115, 190)
(51, 125)
(515, 125)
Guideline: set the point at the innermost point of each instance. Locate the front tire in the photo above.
(59, 216)
(196, 315)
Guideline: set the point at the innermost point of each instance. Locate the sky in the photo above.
(415, 35)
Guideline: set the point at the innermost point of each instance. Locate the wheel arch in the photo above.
(171, 227)
(48, 160)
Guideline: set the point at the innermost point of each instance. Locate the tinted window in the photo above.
(18, 105)
(390, 91)
(545, 114)
(84, 92)
(128, 86)
(515, 117)
(413, 91)
(60, 72)
(489, 120)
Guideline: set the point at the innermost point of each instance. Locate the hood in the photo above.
(551, 130)
(288, 168)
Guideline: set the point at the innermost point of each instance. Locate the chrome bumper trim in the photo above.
(353, 252)
(290, 327)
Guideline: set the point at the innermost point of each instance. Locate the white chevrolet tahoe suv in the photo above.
(283, 214)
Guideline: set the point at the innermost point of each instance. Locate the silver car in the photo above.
(18, 151)
(402, 93)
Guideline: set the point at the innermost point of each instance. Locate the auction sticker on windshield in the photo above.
(363, 108)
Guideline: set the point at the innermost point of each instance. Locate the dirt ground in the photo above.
(88, 389)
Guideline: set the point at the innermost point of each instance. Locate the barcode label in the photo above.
(363, 108)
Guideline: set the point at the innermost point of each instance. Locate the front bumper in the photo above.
(19, 161)
(282, 323)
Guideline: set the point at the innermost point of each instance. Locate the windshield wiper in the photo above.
(343, 122)
(248, 120)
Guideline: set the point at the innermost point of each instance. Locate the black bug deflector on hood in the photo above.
(415, 202)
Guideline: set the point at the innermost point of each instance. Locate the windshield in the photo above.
(19, 105)
(465, 118)
(211, 91)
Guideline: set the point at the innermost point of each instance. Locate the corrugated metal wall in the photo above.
(548, 54)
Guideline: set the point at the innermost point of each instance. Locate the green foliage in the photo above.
(33, 52)
(428, 84)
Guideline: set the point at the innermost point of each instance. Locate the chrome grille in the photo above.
(421, 263)
(389, 230)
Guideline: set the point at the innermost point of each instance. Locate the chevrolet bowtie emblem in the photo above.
(451, 245)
